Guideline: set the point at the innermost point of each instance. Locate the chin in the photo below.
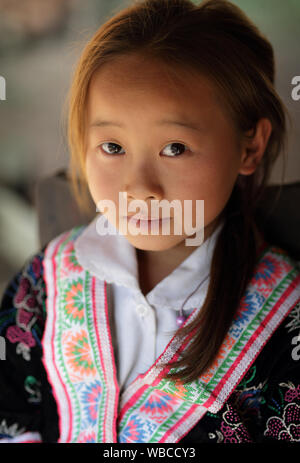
(154, 243)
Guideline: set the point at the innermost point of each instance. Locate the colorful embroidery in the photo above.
(247, 332)
(91, 399)
(78, 356)
(15, 334)
(78, 353)
(27, 303)
(87, 437)
(247, 309)
(70, 262)
(232, 428)
(286, 428)
(159, 405)
(293, 392)
(249, 399)
(270, 270)
(135, 430)
(74, 301)
(78, 367)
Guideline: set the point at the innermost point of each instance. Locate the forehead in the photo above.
(136, 82)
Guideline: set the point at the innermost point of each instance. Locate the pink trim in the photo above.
(159, 376)
(172, 351)
(131, 401)
(99, 349)
(175, 426)
(262, 326)
(30, 442)
(157, 379)
(175, 357)
(52, 345)
(115, 438)
(141, 377)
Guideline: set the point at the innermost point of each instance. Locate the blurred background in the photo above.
(40, 43)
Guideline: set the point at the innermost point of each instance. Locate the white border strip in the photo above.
(48, 355)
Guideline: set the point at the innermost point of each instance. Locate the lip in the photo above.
(145, 220)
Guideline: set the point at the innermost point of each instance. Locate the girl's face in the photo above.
(163, 142)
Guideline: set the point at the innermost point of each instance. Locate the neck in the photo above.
(154, 266)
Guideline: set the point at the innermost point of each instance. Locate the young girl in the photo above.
(139, 337)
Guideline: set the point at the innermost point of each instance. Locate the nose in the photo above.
(142, 182)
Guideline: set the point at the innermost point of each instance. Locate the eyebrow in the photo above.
(104, 123)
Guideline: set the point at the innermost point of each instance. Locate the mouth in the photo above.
(146, 221)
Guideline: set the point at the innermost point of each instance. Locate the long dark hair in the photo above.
(214, 38)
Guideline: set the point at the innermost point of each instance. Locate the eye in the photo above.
(112, 147)
(176, 149)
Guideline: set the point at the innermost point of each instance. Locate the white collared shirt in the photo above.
(142, 326)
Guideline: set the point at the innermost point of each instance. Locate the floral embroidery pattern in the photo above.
(78, 354)
(28, 307)
(91, 398)
(293, 392)
(73, 301)
(159, 405)
(134, 430)
(15, 334)
(25, 319)
(247, 307)
(70, 262)
(249, 399)
(287, 425)
(269, 271)
(286, 428)
(232, 429)
(159, 409)
(87, 437)
(254, 399)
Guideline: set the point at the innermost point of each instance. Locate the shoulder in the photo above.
(271, 301)
(65, 241)
(279, 360)
(268, 397)
(25, 286)
(25, 393)
(267, 251)
(276, 283)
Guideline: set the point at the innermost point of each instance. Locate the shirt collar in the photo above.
(113, 258)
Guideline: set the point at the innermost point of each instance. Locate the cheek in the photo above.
(101, 183)
(212, 182)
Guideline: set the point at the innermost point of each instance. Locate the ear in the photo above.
(253, 149)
